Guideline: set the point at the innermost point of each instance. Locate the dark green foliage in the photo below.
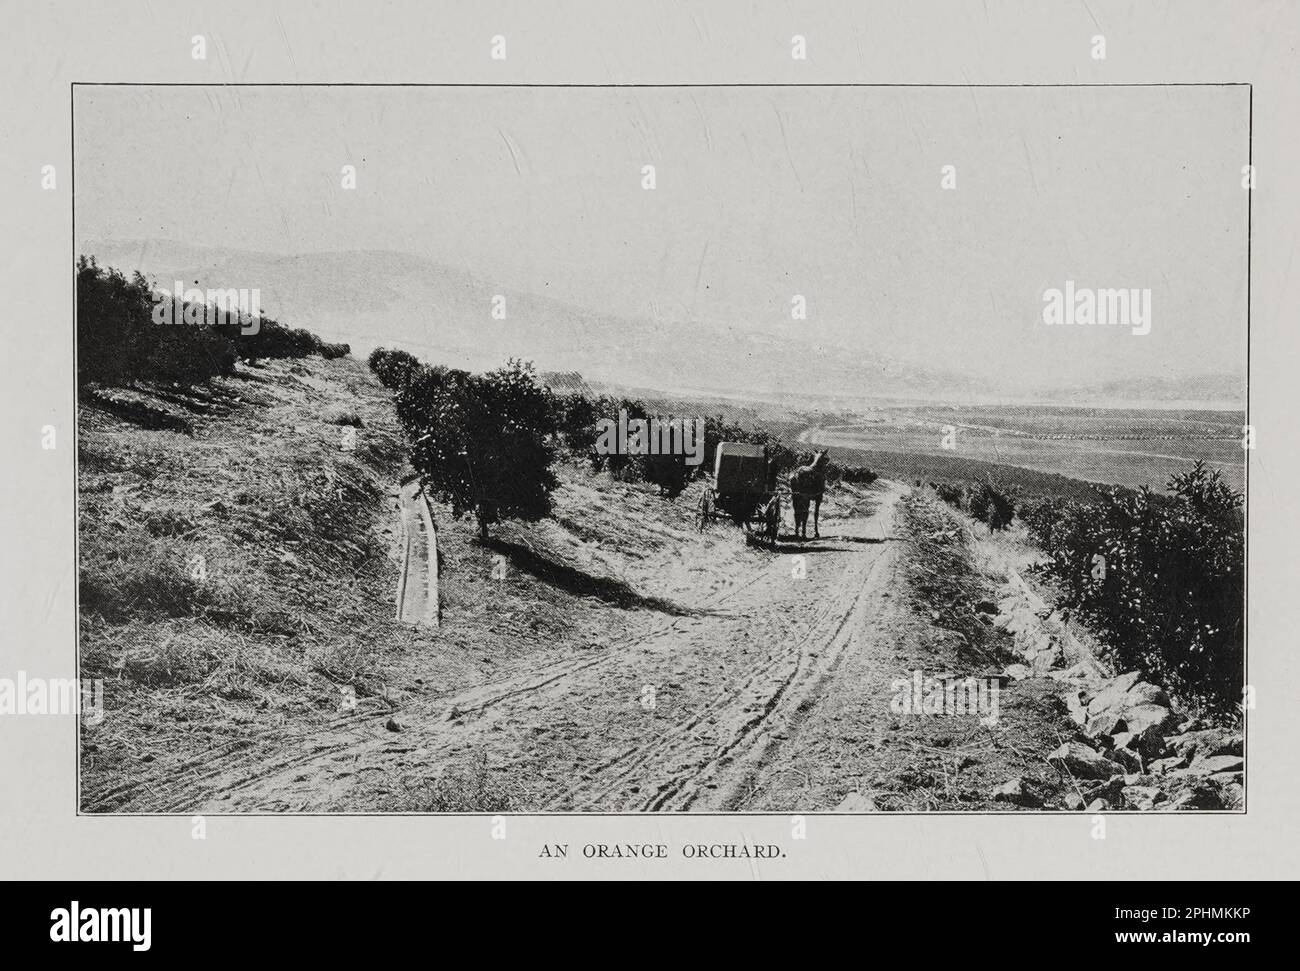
(859, 474)
(620, 465)
(119, 340)
(952, 493)
(1161, 577)
(482, 442)
(1042, 517)
(576, 417)
(273, 340)
(856, 474)
(420, 387)
(393, 368)
(113, 318)
(991, 506)
(578, 421)
(189, 355)
(669, 472)
(578, 424)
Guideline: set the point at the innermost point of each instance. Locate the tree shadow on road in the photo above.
(825, 544)
(580, 583)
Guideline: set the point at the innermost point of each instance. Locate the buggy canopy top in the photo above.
(740, 468)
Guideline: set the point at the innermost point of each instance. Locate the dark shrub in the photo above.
(114, 317)
(991, 506)
(669, 472)
(620, 465)
(1042, 518)
(189, 355)
(393, 368)
(1161, 577)
(954, 494)
(576, 417)
(857, 474)
(120, 338)
(482, 443)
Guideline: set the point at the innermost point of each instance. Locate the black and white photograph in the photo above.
(647, 441)
(855, 449)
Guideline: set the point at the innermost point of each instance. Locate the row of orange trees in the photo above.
(118, 341)
(1160, 576)
(991, 505)
(485, 443)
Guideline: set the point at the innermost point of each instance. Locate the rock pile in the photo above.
(1132, 749)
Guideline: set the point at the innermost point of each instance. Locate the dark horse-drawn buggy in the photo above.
(744, 491)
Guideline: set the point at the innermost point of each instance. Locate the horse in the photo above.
(807, 486)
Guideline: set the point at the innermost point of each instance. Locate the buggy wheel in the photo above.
(705, 511)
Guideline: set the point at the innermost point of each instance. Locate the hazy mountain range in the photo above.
(444, 314)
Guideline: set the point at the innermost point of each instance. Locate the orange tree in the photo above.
(1161, 577)
(483, 443)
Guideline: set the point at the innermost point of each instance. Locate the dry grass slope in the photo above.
(209, 672)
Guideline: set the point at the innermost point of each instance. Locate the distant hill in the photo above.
(443, 314)
(1223, 390)
(565, 382)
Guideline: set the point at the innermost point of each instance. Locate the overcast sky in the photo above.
(762, 193)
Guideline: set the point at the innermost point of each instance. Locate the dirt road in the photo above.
(687, 712)
(610, 657)
(766, 647)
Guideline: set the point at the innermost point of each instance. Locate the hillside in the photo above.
(239, 563)
(402, 291)
(220, 670)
